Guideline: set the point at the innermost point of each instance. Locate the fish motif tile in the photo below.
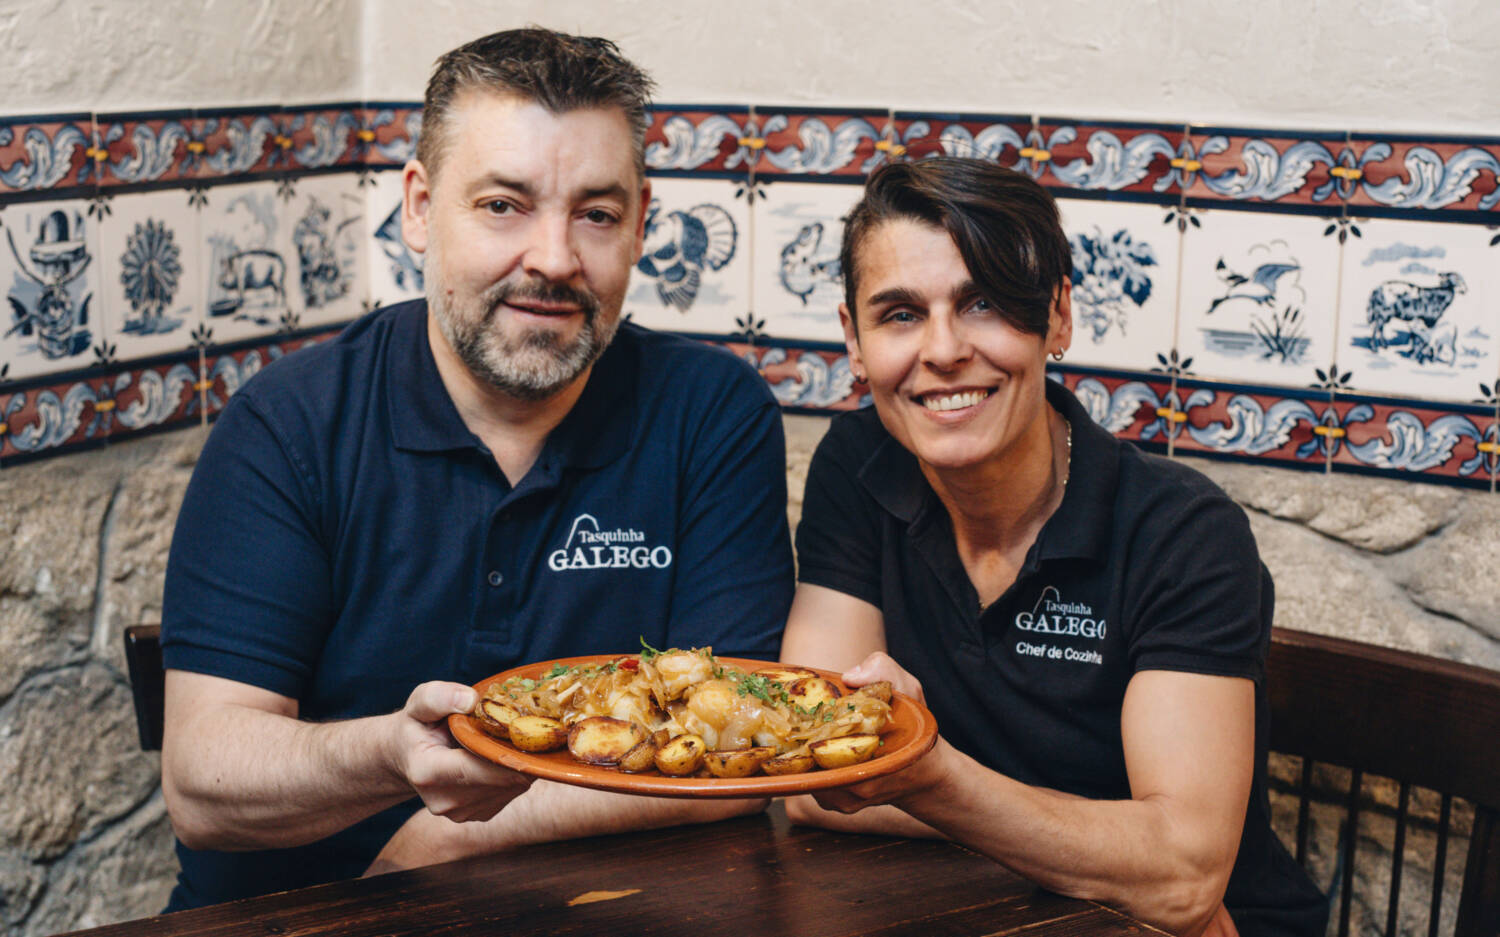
(799, 228)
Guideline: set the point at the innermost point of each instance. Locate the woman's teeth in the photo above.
(954, 401)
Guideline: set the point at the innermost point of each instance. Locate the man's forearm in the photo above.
(239, 778)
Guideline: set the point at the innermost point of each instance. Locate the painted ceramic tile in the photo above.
(1142, 411)
(798, 283)
(1394, 171)
(49, 272)
(152, 273)
(1113, 157)
(809, 143)
(998, 138)
(694, 272)
(249, 281)
(1124, 283)
(1391, 437)
(1259, 297)
(39, 154)
(322, 135)
(1259, 166)
(698, 139)
(395, 271)
(805, 378)
(1418, 310)
(321, 239)
(144, 147)
(1245, 424)
(238, 141)
(392, 128)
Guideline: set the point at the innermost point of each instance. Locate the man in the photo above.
(455, 487)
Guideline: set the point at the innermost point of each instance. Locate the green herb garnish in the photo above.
(647, 651)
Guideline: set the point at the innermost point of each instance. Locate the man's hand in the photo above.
(879, 665)
(452, 782)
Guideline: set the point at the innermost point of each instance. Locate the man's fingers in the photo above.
(881, 666)
(438, 699)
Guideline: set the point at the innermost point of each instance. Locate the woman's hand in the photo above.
(881, 666)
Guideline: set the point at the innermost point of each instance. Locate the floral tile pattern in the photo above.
(1315, 299)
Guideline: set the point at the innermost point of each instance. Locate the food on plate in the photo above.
(684, 713)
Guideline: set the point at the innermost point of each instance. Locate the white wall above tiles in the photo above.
(1391, 64)
(65, 55)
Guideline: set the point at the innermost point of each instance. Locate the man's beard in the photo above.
(535, 364)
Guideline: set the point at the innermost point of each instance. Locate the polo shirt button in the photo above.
(495, 577)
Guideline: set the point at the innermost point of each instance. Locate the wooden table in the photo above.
(756, 875)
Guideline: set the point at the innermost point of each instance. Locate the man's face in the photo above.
(530, 230)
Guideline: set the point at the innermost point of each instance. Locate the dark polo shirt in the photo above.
(346, 537)
(1145, 565)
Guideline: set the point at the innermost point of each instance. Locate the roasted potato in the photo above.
(785, 674)
(603, 740)
(798, 761)
(881, 690)
(495, 714)
(640, 758)
(737, 763)
(809, 692)
(537, 733)
(681, 756)
(844, 751)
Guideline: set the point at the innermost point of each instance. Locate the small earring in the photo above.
(860, 378)
(1057, 355)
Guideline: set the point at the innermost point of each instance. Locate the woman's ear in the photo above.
(1060, 322)
(851, 344)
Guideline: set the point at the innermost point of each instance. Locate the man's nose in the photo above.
(550, 251)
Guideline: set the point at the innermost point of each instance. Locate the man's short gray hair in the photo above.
(560, 72)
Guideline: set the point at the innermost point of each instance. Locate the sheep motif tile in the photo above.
(1418, 312)
(49, 272)
(394, 270)
(1124, 283)
(799, 228)
(694, 271)
(321, 237)
(247, 283)
(152, 273)
(1259, 297)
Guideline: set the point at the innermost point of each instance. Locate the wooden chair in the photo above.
(1417, 720)
(147, 681)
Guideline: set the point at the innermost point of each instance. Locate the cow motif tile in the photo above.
(1418, 311)
(249, 281)
(799, 227)
(1124, 283)
(321, 239)
(1259, 297)
(49, 272)
(694, 272)
(152, 272)
(394, 270)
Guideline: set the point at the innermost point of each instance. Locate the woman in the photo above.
(1089, 623)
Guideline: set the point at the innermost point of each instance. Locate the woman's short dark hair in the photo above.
(560, 72)
(1004, 224)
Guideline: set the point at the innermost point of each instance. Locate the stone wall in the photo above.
(84, 838)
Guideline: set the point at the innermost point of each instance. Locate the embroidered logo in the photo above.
(590, 547)
(1053, 616)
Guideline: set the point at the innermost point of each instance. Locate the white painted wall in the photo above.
(106, 55)
(1420, 65)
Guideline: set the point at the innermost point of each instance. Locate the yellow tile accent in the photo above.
(1188, 165)
(1344, 172)
(1031, 152)
(284, 142)
(203, 385)
(895, 149)
(754, 143)
(1167, 413)
(104, 406)
(196, 146)
(1335, 432)
(365, 136)
(96, 154)
(1485, 447)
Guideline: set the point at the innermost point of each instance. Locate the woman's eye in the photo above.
(499, 208)
(981, 305)
(900, 315)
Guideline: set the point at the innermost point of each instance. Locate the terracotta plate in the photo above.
(912, 731)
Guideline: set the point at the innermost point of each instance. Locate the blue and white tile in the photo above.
(394, 270)
(799, 227)
(1418, 310)
(49, 271)
(1259, 297)
(152, 270)
(248, 279)
(321, 238)
(1125, 265)
(694, 273)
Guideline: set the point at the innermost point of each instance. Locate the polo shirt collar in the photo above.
(423, 418)
(1080, 527)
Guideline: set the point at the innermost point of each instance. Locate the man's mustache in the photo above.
(541, 291)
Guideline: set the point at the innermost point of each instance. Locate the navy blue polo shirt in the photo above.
(346, 537)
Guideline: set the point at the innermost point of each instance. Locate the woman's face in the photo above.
(953, 381)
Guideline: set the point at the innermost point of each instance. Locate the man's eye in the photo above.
(900, 315)
(599, 216)
(499, 208)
